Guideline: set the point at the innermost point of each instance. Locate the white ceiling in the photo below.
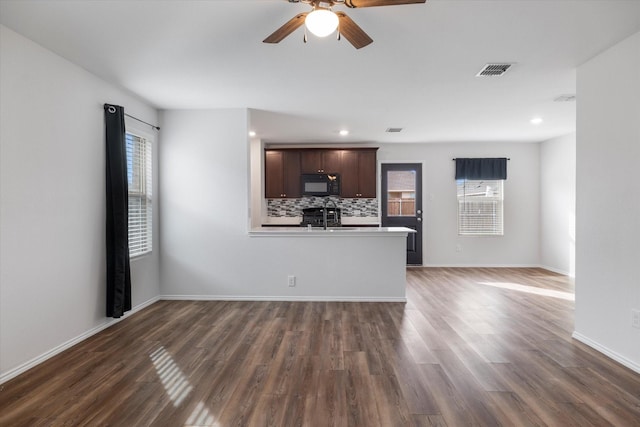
(419, 73)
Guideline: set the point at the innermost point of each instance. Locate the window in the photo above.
(480, 206)
(401, 193)
(140, 206)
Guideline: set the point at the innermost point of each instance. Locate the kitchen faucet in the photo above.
(327, 200)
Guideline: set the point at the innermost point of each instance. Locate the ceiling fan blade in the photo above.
(352, 32)
(288, 28)
(373, 3)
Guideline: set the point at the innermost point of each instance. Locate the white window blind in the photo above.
(140, 195)
(480, 207)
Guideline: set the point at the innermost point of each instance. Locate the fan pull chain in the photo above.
(305, 34)
(339, 35)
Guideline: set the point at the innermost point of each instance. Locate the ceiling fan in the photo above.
(322, 21)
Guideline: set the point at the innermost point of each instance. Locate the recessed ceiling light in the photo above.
(536, 121)
(252, 133)
(344, 132)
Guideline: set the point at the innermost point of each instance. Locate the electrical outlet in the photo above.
(291, 280)
(635, 318)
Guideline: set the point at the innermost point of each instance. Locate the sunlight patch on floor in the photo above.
(178, 388)
(201, 417)
(569, 296)
(175, 383)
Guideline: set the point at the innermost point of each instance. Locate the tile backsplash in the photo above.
(350, 207)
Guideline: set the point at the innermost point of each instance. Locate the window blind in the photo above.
(139, 174)
(480, 207)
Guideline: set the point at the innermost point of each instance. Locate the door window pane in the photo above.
(401, 193)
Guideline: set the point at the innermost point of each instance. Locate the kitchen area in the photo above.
(322, 204)
(299, 183)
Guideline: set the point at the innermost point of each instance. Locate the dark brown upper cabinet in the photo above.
(320, 161)
(358, 177)
(282, 174)
(356, 166)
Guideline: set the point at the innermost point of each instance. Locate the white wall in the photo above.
(520, 244)
(206, 249)
(52, 169)
(558, 204)
(608, 201)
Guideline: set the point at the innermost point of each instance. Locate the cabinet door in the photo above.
(349, 174)
(273, 174)
(367, 174)
(291, 174)
(332, 161)
(311, 161)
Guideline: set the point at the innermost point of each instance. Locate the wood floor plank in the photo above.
(417, 393)
(472, 346)
(361, 403)
(514, 410)
(392, 408)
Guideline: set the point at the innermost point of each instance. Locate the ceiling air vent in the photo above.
(491, 70)
(393, 130)
(565, 98)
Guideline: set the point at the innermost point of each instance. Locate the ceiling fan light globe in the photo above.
(321, 22)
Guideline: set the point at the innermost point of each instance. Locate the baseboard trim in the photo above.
(544, 267)
(6, 376)
(483, 265)
(607, 352)
(556, 270)
(280, 298)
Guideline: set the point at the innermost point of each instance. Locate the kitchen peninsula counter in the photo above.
(344, 231)
(338, 264)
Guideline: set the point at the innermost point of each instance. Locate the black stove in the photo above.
(315, 217)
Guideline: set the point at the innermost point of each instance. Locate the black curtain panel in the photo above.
(490, 168)
(118, 271)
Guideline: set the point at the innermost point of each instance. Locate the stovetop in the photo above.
(315, 217)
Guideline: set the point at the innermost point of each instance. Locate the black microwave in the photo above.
(320, 184)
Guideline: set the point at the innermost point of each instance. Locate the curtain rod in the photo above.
(454, 159)
(142, 121)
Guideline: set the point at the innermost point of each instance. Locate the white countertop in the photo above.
(331, 231)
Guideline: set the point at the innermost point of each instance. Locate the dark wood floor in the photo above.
(471, 347)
